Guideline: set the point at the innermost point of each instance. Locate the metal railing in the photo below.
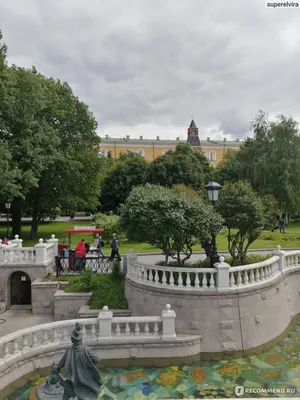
(68, 263)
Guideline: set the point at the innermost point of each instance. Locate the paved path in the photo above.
(14, 319)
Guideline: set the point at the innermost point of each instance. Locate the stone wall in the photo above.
(42, 296)
(67, 305)
(33, 271)
(230, 321)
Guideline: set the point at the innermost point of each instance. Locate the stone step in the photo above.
(85, 312)
(2, 307)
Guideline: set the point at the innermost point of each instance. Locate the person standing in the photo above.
(100, 245)
(282, 225)
(115, 245)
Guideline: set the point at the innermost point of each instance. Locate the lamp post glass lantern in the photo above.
(213, 189)
(7, 206)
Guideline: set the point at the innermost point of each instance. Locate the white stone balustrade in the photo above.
(173, 277)
(254, 273)
(222, 277)
(15, 253)
(102, 329)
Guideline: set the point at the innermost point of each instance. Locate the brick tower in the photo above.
(193, 136)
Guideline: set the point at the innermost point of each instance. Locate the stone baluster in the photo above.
(239, 278)
(146, 328)
(197, 281)
(17, 242)
(41, 252)
(164, 278)
(155, 329)
(171, 278)
(257, 275)
(34, 340)
(105, 321)
(137, 329)
(53, 241)
(15, 347)
(168, 320)
(282, 258)
(251, 277)
(232, 281)
(93, 332)
(188, 279)
(118, 330)
(180, 281)
(127, 329)
(84, 332)
(204, 281)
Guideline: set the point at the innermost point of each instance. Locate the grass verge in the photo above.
(108, 290)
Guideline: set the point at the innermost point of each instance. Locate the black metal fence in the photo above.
(68, 263)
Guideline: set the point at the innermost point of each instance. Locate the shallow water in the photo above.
(276, 368)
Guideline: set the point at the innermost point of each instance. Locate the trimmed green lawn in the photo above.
(57, 228)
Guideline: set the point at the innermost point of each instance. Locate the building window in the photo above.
(205, 154)
(141, 152)
(103, 152)
(130, 151)
(212, 156)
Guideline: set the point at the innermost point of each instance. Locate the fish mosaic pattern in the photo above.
(278, 367)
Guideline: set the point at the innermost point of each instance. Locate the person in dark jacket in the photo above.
(115, 245)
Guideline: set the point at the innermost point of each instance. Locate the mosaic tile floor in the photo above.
(278, 367)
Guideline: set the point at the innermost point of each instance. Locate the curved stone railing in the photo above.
(254, 273)
(105, 327)
(174, 277)
(221, 277)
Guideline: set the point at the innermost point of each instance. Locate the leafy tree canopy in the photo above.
(170, 220)
(182, 166)
(243, 214)
(128, 171)
(51, 138)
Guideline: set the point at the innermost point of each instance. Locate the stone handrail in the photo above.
(174, 277)
(105, 327)
(18, 254)
(42, 253)
(254, 273)
(222, 277)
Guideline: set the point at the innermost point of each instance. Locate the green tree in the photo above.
(51, 137)
(10, 174)
(168, 219)
(243, 214)
(182, 166)
(228, 169)
(128, 171)
(110, 224)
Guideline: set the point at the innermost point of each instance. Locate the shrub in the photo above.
(110, 224)
(276, 237)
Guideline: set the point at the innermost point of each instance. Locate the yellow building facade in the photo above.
(153, 148)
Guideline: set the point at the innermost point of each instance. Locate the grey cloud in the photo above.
(156, 63)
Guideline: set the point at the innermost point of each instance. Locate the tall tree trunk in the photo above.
(36, 219)
(16, 212)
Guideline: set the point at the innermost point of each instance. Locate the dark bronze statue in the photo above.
(82, 381)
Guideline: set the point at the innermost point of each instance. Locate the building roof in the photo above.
(165, 142)
(193, 125)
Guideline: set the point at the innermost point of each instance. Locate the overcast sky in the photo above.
(145, 66)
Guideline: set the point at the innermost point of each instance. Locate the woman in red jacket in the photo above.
(80, 251)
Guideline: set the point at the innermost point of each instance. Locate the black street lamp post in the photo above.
(213, 189)
(7, 206)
